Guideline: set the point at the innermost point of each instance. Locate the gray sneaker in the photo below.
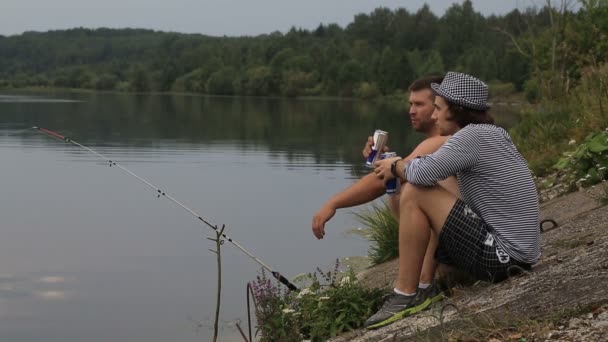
(395, 307)
(433, 293)
(398, 306)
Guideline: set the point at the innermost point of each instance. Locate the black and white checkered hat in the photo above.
(464, 90)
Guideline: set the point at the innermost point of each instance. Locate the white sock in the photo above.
(403, 293)
(423, 285)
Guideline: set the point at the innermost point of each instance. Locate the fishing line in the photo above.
(162, 193)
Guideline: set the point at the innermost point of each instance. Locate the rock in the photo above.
(388, 338)
(575, 323)
(555, 335)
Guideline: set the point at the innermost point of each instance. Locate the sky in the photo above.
(210, 17)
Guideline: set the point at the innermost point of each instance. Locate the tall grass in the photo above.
(383, 233)
(546, 129)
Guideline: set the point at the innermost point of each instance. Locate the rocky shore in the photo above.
(564, 297)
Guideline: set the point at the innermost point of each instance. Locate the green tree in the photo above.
(349, 75)
(221, 82)
(259, 81)
(139, 80)
(388, 72)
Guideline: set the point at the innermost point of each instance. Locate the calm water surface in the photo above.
(88, 253)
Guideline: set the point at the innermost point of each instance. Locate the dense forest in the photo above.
(376, 54)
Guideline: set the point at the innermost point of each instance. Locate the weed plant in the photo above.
(586, 166)
(332, 304)
(383, 233)
(550, 127)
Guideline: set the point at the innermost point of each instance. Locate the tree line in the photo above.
(376, 54)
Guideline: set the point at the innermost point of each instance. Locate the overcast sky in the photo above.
(211, 17)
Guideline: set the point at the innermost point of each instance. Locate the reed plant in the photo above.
(383, 232)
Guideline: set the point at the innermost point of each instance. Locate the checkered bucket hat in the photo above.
(464, 90)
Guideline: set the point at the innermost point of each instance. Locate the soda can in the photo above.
(380, 138)
(391, 185)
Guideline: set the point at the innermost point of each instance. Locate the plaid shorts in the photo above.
(469, 243)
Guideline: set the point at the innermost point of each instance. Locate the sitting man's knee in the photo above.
(409, 192)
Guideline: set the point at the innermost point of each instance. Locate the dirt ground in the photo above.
(564, 297)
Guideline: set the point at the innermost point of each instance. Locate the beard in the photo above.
(425, 126)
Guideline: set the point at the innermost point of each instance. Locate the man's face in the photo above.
(441, 115)
(421, 110)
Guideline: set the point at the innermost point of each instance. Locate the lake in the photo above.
(89, 253)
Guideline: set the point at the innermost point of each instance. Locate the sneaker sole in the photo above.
(407, 312)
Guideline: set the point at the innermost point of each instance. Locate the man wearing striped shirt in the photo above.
(492, 228)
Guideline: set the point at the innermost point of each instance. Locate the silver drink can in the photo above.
(380, 138)
(391, 185)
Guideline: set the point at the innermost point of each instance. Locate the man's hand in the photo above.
(383, 168)
(321, 217)
(367, 149)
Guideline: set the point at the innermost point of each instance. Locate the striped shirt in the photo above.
(495, 182)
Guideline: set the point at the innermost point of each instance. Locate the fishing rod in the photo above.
(160, 193)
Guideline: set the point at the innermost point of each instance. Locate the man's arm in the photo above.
(366, 189)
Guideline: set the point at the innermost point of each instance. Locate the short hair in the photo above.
(463, 116)
(425, 83)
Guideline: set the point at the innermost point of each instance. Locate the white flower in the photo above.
(602, 168)
(324, 298)
(288, 311)
(572, 142)
(588, 176)
(345, 281)
(304, 292)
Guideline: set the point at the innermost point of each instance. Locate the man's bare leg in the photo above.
(422, 210)
(430, 265)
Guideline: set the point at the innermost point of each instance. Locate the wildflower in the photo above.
(304, 292)
(588, 176)
(572, 142)
(324, 298)
(288, 310)
(601, 168)
(345, 281)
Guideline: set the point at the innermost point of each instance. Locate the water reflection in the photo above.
(27, 287)
(331, 131)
